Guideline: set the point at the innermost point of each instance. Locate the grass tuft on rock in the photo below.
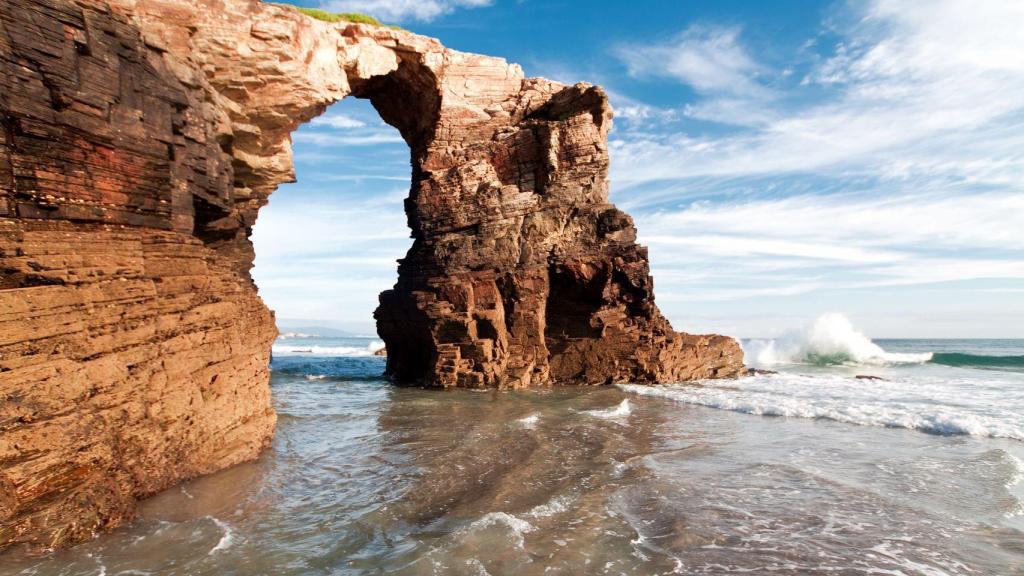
(353, 17)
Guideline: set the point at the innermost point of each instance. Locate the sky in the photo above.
(781, 160)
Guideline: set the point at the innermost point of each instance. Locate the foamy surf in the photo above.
(935, 406)
(830, 340)
(556, 505)
(529, 421)
(517, 526)
(1018, 471)
(620, 411)
(227, 538)
(344, 351)
(1015, 478)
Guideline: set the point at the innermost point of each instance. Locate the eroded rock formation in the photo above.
(138, 140)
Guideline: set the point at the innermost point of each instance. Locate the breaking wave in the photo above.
(347, 351)
(830, 340)
(932, 406)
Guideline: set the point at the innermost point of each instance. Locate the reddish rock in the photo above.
(138, 140)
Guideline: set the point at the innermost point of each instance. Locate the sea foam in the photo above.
(620, 411)
(346, 351)
(830, 340)
(227, 535)
(529, 421)
(518, 527)
(935, 406)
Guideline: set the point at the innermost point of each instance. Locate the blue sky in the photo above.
(781, 160)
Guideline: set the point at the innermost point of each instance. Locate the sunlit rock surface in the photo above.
(138, 140)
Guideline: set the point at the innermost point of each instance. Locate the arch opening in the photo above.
(326, 245)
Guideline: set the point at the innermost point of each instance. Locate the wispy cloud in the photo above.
(803, 243)
(710, 59)
(402, 10)
(329, 260)
(337, 120)
(361, 138)
(890, 161)
(911, 93)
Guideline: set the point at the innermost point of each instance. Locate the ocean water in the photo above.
(805, 470)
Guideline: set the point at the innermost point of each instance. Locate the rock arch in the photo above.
(139, 140)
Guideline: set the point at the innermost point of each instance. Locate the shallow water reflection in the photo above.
(365, 478)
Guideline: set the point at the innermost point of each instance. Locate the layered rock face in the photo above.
(138, 140)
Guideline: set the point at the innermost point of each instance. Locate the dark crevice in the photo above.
(573, 299)
(13, 278)
(212, 222)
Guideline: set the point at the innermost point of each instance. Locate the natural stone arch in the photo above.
(509, 194)
(138, 141)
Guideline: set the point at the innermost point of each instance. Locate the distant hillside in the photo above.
(310, 331)
(327, 328)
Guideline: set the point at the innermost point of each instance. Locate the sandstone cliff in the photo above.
(138, 140)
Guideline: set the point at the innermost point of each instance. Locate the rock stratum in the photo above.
(138, 141)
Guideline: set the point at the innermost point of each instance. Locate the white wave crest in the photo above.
(1018, 474)
(935, 407)
(297, 335)
(349, 351)
(620, 411)
(831, 339)
(1015, 478)
(226, 539)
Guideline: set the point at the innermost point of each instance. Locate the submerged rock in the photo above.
(138, 140)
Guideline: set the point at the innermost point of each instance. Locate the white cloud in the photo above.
(916, 93)
(640, 113)
(710, 59)
(361, 138)
(329, 260)
(888, 184)
(715, 251)
(954, 222)
(339, 121)
(402, 10)
(735, 111)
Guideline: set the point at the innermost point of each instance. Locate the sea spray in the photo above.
(830, 340)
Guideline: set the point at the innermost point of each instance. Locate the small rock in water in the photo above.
(759, 372)
(381, 352)
(868, 377)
